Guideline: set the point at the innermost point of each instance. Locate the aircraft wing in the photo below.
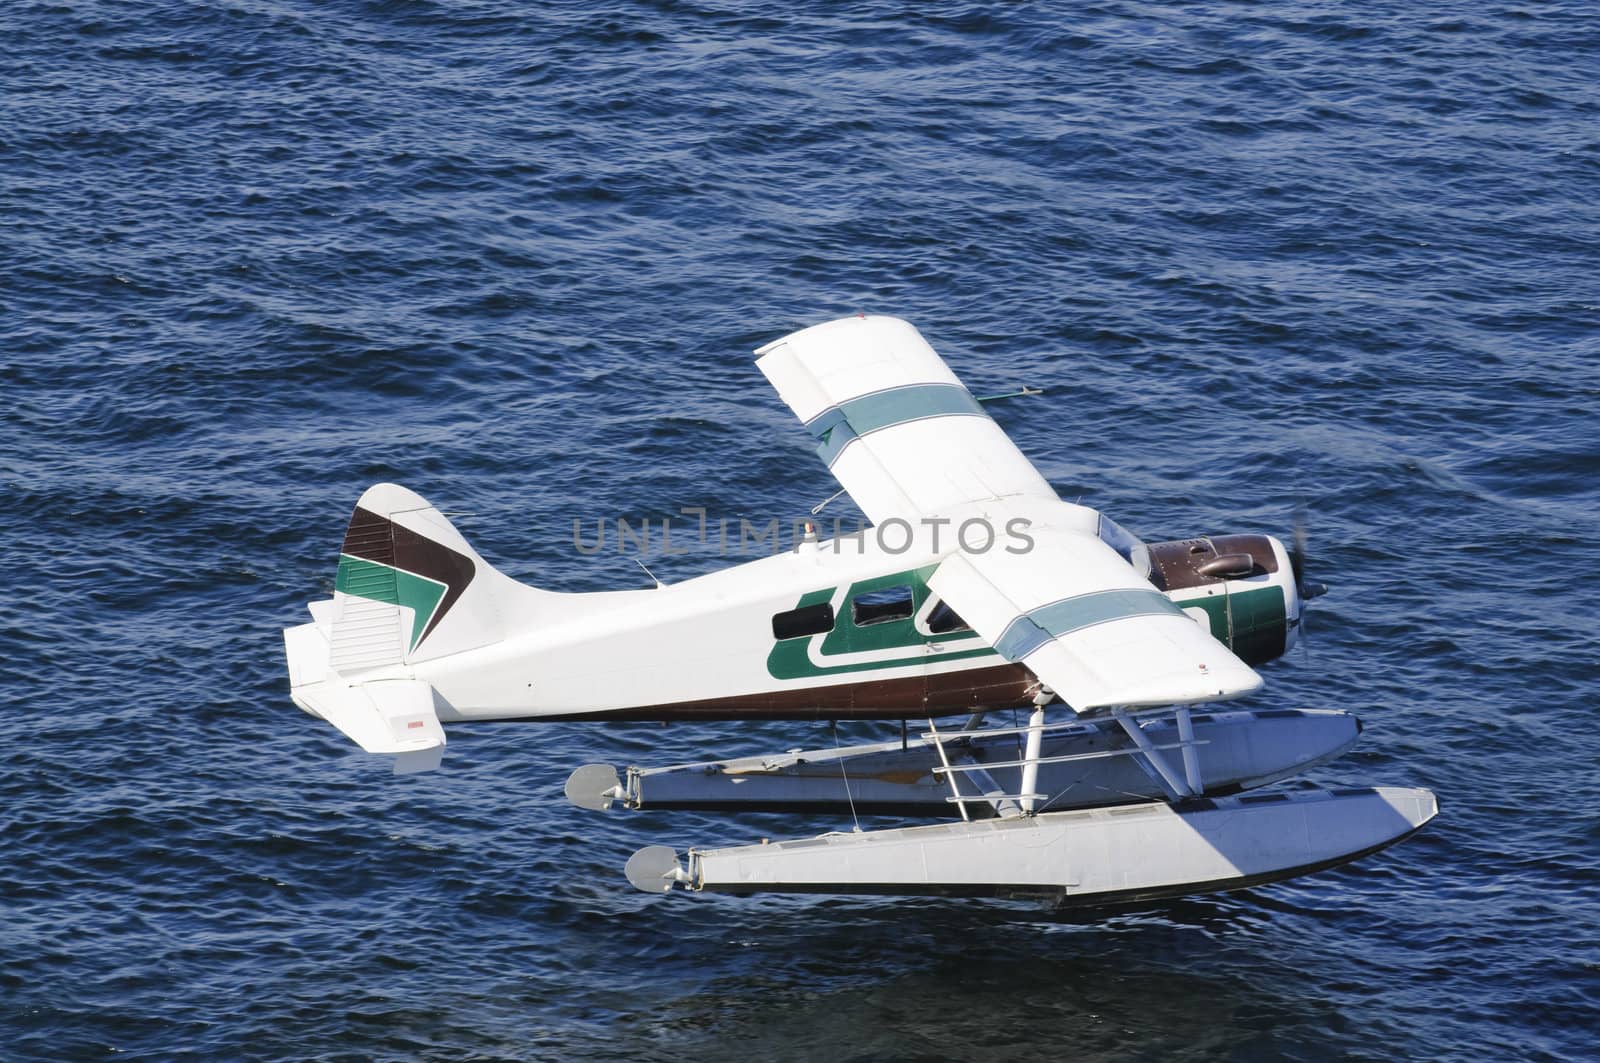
(892, 422)
(907, 440)
(1084, 621)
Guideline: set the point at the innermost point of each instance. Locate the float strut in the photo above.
(955, 787)
(1030, 758)
(1153, 756)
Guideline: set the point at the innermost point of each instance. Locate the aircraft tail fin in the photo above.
(409, 589)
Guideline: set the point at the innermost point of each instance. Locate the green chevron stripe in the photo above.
(393, 586)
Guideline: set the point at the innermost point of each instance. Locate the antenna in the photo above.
(1025, 392)
(647, 572)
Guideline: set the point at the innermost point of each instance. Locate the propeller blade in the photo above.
(1297, 559)
(1297, 545)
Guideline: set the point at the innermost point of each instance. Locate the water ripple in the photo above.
(263, 254)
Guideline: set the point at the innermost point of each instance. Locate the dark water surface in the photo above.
(258, 255)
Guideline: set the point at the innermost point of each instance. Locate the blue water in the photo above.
(258, 255)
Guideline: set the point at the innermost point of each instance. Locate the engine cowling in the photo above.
(1242, 587)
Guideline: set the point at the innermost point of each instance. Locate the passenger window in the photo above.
(880, 607)
(798, 623)
(942, 619)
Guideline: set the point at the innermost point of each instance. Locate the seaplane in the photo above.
(975, 596)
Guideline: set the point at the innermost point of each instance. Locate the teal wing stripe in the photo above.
(837, 426)
(1033, 629)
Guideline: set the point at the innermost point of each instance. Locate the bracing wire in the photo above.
(850, 797)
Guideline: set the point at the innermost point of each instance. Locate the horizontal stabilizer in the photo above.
(394, 716)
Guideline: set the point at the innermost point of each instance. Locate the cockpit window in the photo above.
(881, 606)
(942, 619)
(807, 620)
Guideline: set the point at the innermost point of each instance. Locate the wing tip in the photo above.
(854, 321)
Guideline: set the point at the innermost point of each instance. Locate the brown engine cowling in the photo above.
(1243, 584)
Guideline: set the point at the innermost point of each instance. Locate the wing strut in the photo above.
(1191, 755)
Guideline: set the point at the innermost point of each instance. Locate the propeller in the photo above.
(1308, 590)
(1297, 560)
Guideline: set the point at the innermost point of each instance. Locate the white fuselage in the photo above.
(707, 640)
